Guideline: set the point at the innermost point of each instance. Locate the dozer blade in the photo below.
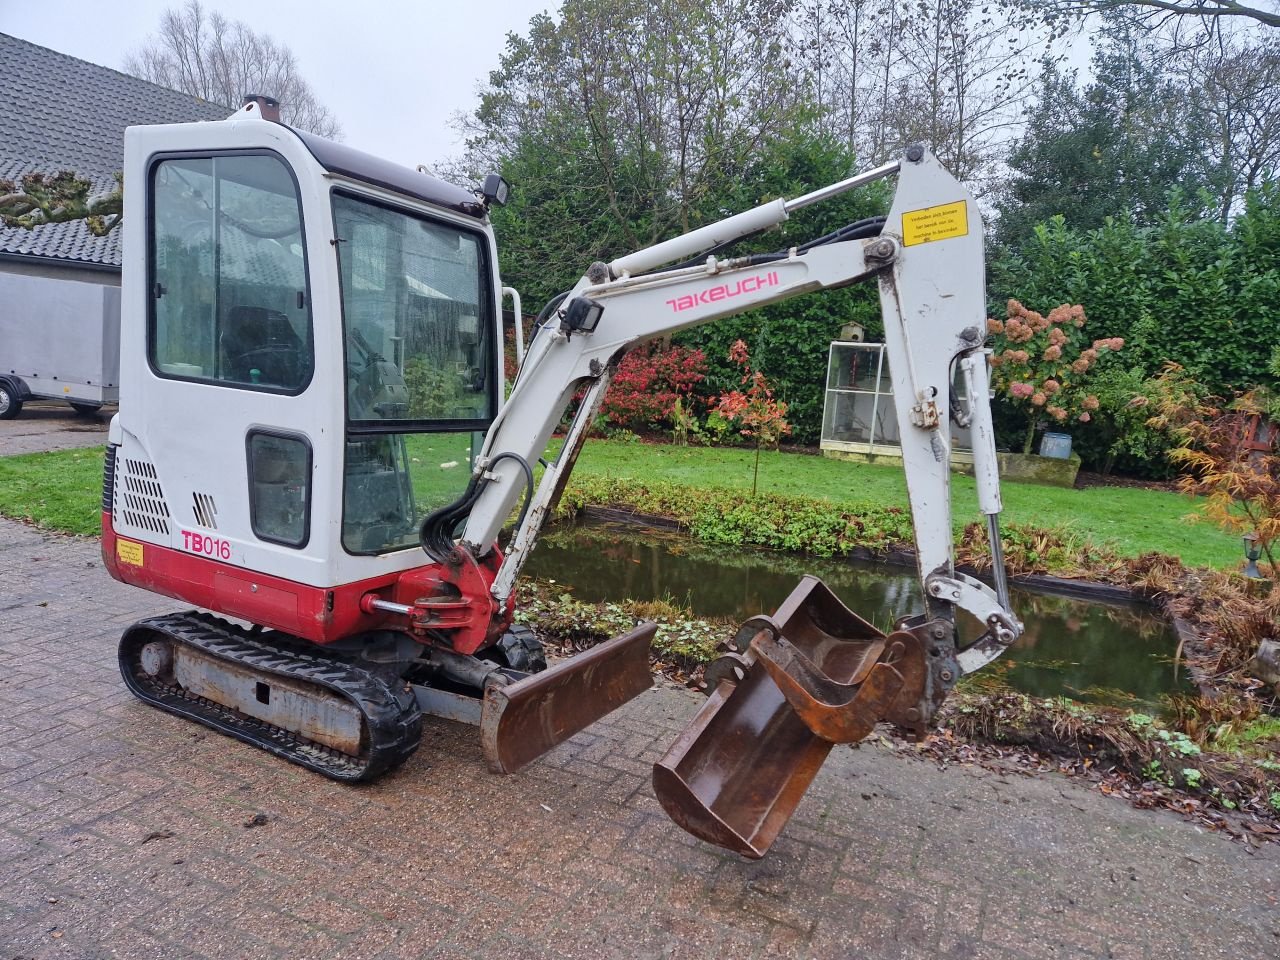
(523, 720)
(737, 773)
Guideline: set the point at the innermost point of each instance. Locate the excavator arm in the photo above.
(928, 261)
(814, 674)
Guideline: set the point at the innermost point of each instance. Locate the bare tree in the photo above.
(1159, 12)
(1235, 80)
(852, 51)
(962, 75)
(204, 54)
(953, 74)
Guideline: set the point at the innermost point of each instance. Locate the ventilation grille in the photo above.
(140, 500)
(205, 509)
(109, 478)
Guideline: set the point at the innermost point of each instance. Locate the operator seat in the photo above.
(262, 340)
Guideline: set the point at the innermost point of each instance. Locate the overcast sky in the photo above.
(394, 72)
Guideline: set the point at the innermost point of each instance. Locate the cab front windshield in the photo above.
(418, 333)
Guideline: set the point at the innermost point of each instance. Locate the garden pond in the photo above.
(1120, 656)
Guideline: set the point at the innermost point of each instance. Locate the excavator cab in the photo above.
(312, 351)
(311, 343)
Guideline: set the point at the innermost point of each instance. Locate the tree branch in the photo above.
(39, 199)
(1194, 8)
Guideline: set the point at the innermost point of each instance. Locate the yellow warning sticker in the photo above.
(129, 552)
(942, 222)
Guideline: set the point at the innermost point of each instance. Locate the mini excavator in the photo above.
(314, 448)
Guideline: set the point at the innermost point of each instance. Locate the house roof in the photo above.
(60, 113)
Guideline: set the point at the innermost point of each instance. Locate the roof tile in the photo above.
(60, 113)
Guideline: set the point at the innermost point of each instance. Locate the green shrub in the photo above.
(1189, 289)
(433, 390)
(768, 520)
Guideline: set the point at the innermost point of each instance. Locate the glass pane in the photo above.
(419, 326)
(230, 278)
(184, 275)
(849, 417)
(279, 488)
(855, 367)
(886, 425)
(394, 480)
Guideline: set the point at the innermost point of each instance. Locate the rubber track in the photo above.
(392, 722)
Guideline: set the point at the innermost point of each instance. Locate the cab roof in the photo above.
(347, 161)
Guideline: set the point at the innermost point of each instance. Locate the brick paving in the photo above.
(126, 833)
(46, 425)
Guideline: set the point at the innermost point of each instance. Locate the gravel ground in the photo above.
(45, 425)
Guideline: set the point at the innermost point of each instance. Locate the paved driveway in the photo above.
(128, 833)
(45, 425)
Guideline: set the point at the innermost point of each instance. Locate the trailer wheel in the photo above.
(10, 405)
(85, 408)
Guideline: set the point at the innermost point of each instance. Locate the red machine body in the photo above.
(449, 600)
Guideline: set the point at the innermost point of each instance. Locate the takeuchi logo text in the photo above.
(725, 291)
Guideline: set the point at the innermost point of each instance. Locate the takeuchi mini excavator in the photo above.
(313, 447)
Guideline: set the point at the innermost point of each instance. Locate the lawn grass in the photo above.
(1132, 521)
(62, 491)
(56, 491)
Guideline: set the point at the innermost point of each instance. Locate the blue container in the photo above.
(1056, 445)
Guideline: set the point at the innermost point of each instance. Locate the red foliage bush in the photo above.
(754, 413)
(648, 383)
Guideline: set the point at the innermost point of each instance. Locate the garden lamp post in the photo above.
(1251, 554)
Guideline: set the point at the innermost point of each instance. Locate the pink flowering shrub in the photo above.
(1043, 363)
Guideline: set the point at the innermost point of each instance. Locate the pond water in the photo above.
(1092, 652)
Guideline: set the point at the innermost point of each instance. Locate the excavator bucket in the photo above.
(523, 720)
(812, 675)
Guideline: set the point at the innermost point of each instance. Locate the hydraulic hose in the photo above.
(528, 482)
(858, 230)
(436, 532)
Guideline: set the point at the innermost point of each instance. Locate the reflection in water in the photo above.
(1088, 651)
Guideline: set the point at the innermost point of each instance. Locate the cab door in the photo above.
(226, 431)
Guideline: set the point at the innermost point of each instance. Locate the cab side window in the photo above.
(228, 274)
(280, 487)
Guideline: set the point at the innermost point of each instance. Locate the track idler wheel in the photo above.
(156, 660)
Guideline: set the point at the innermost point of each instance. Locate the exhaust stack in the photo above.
(268, 107)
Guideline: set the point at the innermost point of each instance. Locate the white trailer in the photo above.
(59, 340)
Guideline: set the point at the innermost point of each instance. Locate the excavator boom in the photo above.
(816, 674)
